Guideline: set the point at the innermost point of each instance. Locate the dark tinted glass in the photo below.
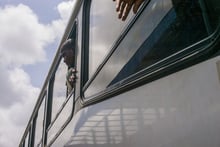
(164, 28)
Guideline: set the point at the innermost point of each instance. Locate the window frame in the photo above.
(70, 98)
(85, 44)
(182, 59)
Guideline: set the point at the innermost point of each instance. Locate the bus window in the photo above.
(60, 89)
(62, 102)
(164, 28)
(57, 125)
(26, 142)
(39, 124)
(104, 29)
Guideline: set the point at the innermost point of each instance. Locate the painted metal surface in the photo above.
(181, 110)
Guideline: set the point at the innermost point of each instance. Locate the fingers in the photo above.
(118, 4)
(73, 70)
(72, 78)
(137, 4)
(72, 75)
(126, 11)
(122, 10)
(123, 7)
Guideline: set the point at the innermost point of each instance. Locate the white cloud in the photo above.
(22, 38)
(15, 87)
(64, 9)
(23, 41)
(18, 97)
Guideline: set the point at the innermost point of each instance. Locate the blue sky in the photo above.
(30, 33)
(46, 10)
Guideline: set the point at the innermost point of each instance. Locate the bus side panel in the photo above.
(180, 110)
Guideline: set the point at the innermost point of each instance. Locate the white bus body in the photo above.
(151, 81)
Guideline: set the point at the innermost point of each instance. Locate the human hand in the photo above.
(72, 75)
(123, 7)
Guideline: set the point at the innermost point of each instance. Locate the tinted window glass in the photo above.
(164, 28)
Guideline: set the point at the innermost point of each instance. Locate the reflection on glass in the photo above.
(62, 105)
(39, 124)
(59, 92)
(105, 28)
(62, 118)
(26, 140)
(164, 28)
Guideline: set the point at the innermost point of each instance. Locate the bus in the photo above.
(152, 80)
